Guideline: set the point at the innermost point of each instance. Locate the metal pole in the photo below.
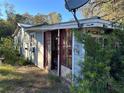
(76, 19)
(74, 14)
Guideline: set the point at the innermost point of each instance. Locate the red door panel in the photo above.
(47, 38)
(66, 48)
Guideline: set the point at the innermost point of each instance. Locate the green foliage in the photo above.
(103, 67)
(6, 28)
(53, 79)
(9, 53)
(22, 62)
(117, 61)
(19, 18)
(40, 19)
(55, 17)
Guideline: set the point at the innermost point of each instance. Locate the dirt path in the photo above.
(30, 79)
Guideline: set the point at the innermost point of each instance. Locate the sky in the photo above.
(39, 6)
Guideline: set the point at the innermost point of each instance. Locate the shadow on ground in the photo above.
(29, 79)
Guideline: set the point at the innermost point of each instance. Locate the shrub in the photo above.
(10, 54)
(103, 66)
(23, 62)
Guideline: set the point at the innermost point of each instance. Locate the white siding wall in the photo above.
(40, 50)
(36, 57)
(66, 72)
(33, 55)
(78, 53)
(26, 42)
(22, 43)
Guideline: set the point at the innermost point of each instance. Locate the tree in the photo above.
(11, 17)
(107, 9)
(6, 28)
(28, 18)
(1, 13)
(9, 9)
(19, 18)
(40, 19)
(55, 18)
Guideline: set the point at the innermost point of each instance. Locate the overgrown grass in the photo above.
(7, 76)
(8, 72)
(29, 79)
(53, 78)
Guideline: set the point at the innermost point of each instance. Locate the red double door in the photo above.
(51, 50)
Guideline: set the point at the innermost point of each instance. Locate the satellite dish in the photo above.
(74, 4)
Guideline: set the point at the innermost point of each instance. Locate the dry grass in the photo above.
(29, 79)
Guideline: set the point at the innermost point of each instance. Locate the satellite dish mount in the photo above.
(73, 5)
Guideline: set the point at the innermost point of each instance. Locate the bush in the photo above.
(10, 54)
(23, 62)
(103, 66)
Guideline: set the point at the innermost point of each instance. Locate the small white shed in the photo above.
(55, 47)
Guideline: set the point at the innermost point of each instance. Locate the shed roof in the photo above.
(89, 22)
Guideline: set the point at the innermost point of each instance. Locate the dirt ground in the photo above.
(29, 79)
